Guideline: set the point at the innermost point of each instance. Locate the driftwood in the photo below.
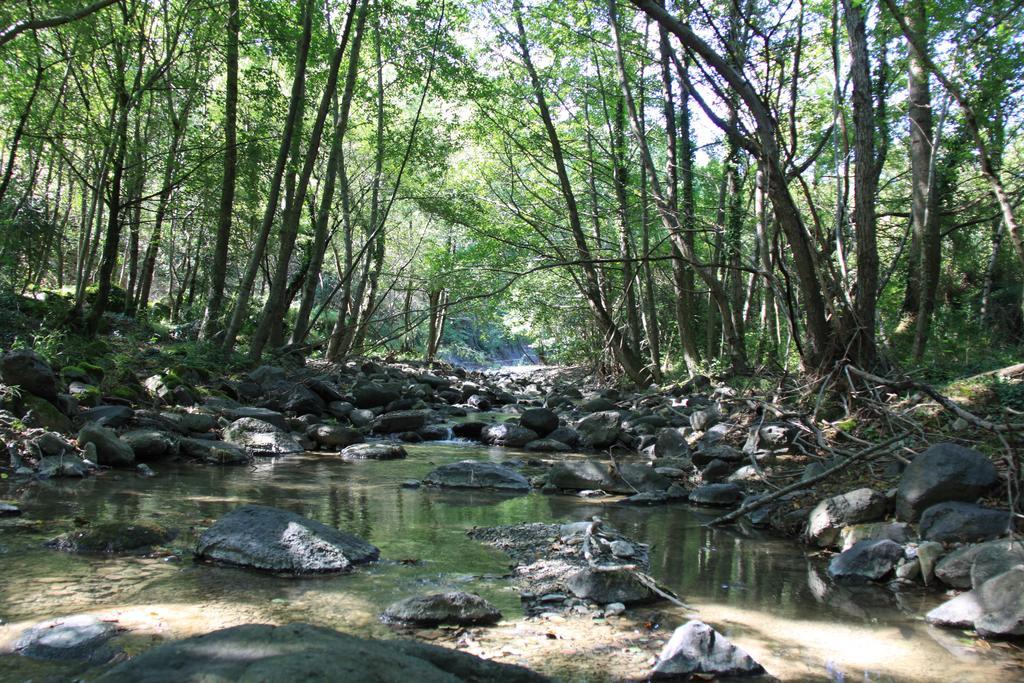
(866, 454)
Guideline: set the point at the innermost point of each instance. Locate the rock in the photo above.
(675, 494)
(547, 446)
(265, 414)
(706, 454)
(832, 514)
(871, 560)
(374, 451)
(716, 471)
(567, 435)
(1002, 601)
(401, 421)
(953, 521)
(198, 423)
(27, 369)
(705, 419)
(479, 401)
(277, 540)
(435, 432)
(361, 417)
(112, 538)
(300, 400)
(110, 450)
(928, 553)
(373, 395)
(149, 445)
(900, 532)
(301, 652)
(771, 436)
(9, 510)
(600, 430)
(630, 478)
(614, 609)
(69, 639)
(52, 443)
(944, 472)
(340, 410)
(604, 587)
(597, 405)
(325, 389)
(108, 416)
(85, 394)
(213, 452)
(994, 558)
(334, 436)
(719, 495)
(39, 412)
(540, 420)
(457, 607)
(476, 474)
(696, 648)
(468, 430)
(671, 444)
(260, 438)
(62, 466)
(506, 434)
(267, 375)
(745, 473)
(960, 612)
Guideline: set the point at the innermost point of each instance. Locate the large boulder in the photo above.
(832, 514)
(401, 421)
(277, 540)
(944, 472)
(696, 648)
(334, 436)
(506, 434)
(78, 638)
(110, 450)
(477, 475)
(374, 451)
(541, 420)
(301, 652)
(870, 560)
(27, 369)
(259, 438)
(39, 412)
(456, 607)
(373, 395)
(949, 522)
(600, 430)
(300, 400)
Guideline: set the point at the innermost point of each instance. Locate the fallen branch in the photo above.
(864, 455)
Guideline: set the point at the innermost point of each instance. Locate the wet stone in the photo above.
(455, 607)
(69, 639)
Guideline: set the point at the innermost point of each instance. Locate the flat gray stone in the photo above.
(374, 451)
(259, 438)
(455, 607)
(477, 475)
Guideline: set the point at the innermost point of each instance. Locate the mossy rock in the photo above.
(38, 412)
(117, 298)
(113, 538)
(95, 348)
(86, 394)
(129, 392)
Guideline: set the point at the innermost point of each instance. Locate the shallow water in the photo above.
(765, 593)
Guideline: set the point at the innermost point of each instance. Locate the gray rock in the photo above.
(702, 420)
(340, 410)
(671, 444)
(401, 421)
(198, 423)
(213, 452)
(110, 450)
(334, 436)
(260, 438)
(547, 446)
(361, 417)
(960, 612)
(78, 638)
(149, 444)
(994, 558)
(944, 472)
(605, 587)
(62, 466)
(52, 443)
(476, 474)
(953, 521)
(27, 369)
(696, 648)
(900, 532)
(871, 560)
(1002, 601)
(567, 435)
(716, 471)
(301, 652)
(928, 553)
(506, 434)
(374, 451)
(108, 416)
(455, 607)
(832, 514)
(629, 478)
(265, 414)
(717, 495)
(373, 395)
(277, 540)
(600, 430)
(597, 405)
(706, 454)
(540, 420)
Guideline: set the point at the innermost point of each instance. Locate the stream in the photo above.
(765, 593)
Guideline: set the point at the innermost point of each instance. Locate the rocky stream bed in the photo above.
(294, 522)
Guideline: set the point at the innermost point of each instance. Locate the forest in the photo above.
(765, 257)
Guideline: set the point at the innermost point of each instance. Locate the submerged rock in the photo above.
(68, 639)
(301, 652)
(63, 466)
(696, 648)
(113, 538)
(477, 475)
(455, 607)
(268, 538)
(944, 472)
(260, 438)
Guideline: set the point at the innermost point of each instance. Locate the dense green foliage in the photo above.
(479, 179)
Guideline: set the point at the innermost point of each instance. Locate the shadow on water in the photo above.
(764, 590)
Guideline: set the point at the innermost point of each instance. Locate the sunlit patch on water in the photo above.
(763, 593)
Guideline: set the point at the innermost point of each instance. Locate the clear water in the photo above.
(764, 593)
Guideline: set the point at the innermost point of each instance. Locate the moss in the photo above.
(45, 414)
